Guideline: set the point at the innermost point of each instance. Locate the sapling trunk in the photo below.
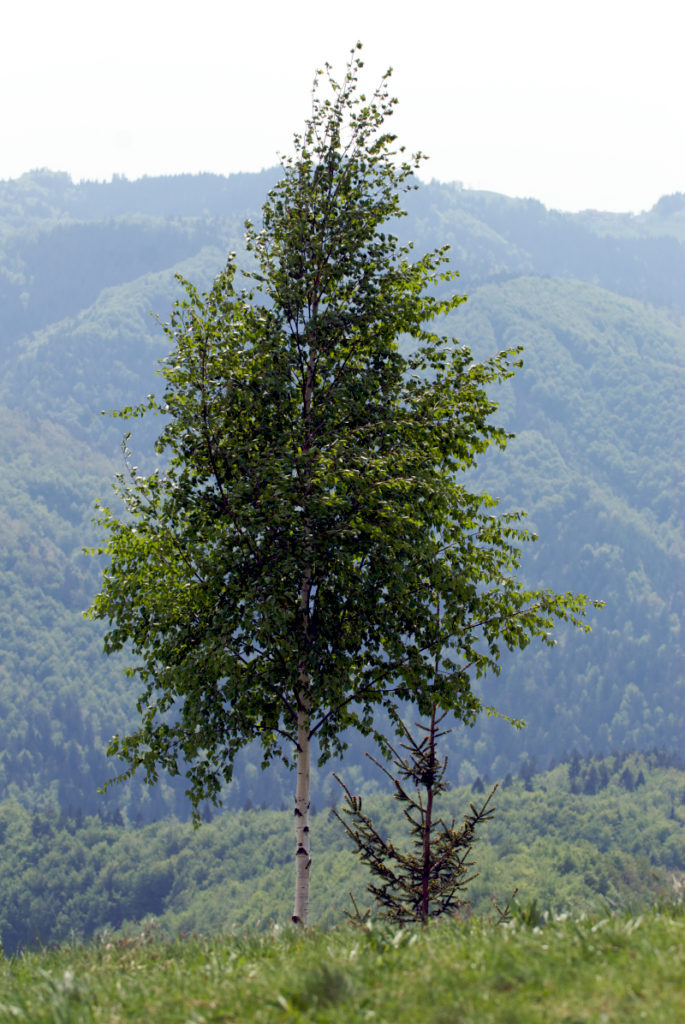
(428, 825)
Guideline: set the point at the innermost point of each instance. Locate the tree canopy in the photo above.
(309, 552)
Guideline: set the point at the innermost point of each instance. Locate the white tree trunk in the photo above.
(302, 792)
(303, 860)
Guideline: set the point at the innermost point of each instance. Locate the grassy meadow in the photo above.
(536, 968)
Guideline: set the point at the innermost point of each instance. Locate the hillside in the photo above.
(596, 300)
(591, 833)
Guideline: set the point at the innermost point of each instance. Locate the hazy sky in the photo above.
(579, 104)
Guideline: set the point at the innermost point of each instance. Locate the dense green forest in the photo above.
(598, 303)
(590, 833)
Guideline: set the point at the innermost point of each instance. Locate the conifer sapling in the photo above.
(430, 879)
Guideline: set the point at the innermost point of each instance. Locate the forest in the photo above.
(588, 835)
(595, 299)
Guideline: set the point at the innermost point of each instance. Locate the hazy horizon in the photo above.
(424, 180)
(575, 105)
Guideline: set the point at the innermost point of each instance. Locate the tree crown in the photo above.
(312, 518)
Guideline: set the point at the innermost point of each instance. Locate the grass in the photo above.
(535, 969)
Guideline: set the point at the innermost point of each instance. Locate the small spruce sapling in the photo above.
(431, 878)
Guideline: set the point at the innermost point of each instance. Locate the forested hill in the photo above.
(597, 300)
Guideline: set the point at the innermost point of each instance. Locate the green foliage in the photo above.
(277, 580)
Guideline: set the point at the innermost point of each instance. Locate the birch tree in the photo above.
(276, 580)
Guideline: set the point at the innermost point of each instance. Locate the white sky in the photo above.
(578, 104)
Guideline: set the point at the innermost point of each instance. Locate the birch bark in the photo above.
(303, 859)
(302, 800)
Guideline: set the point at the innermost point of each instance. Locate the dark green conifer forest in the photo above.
(597, 301)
